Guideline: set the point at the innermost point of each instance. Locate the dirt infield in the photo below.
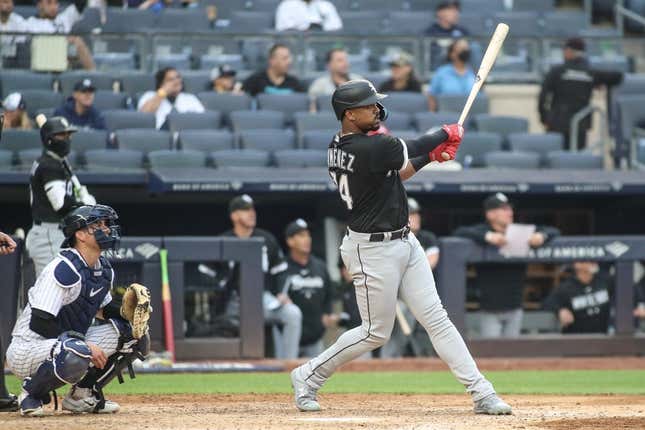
(349, 411)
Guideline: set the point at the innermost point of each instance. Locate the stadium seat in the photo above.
(522, 23)
(632, 84)
(179, 20)
(307, 121)
(399, 121)
(40, 99)
(113, 159)
(90, 20)
(251, 22)
(6, 159)
(573, 160)
(503, 125)
(323, 103)
(427, 120)
(100, 80)
(287, 103)
(176, 159)
(26, 157)
(104, 100)
(455, 103)
(206, 140)
(120, 118)
(512, 160)
(14, 139)
(249, 119)
(13, 81)
(400, 101)
(482, 7)
(377, 78)
(421, 5)
(114, 61)
(318, 139)
(363, 22)
(240, 158)
(196, 81)
(532, 5)
(628, 115)
(179, 61)
(409, 22)
(128, 20)
(208, 62)
(262, 5)
(615, 63)
(225, 103)
(477, 24)
(142, 139)
(194, 121)
(475, 146)
(135, 82)
(564, 24)
(85, 140)
(267, 139)
(300, 158)
(539, 143)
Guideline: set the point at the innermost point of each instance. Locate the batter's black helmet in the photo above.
(356, 93)
(55, 125)
(83, 216)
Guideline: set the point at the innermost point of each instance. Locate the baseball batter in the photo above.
(54, 342)
(382, 255)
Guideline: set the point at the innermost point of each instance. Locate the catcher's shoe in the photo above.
(9, 403)
(305, 395)
(81, 400)
(492, 405)
(30, 406)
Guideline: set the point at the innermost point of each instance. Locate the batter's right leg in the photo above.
(375, 268)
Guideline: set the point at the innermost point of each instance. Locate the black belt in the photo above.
(38, 222)
(393, 235)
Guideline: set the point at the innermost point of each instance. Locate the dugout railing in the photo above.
(621, 251)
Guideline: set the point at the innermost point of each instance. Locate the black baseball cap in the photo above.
(575, 43)
(223, 70)
(84, 85)
(242, 202)
(413, 206)
(447, 4)
(496, 201)
(295, 227)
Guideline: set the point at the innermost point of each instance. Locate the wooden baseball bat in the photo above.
(166, 300)
(494, 46)
(400, 317)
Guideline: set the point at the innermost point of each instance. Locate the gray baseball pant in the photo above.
(43, 243)
(383, 271)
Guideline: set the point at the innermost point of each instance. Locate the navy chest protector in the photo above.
(95, 285)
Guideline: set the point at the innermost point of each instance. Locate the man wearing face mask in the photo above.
(582, 302)
(52, 192)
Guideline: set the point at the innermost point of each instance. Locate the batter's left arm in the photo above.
(432, 147)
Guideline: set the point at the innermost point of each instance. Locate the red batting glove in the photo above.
(445, 148)
(455, 132)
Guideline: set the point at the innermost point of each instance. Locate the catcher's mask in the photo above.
(84, 216)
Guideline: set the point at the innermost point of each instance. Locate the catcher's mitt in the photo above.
(136, 308)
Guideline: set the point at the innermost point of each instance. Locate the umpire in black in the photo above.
(567, 89)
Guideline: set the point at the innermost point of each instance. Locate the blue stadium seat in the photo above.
(113, 159)
(114, 61)
(128, 20)
(225, 103)
(13, 80)
(104, 100)
(318, 139)
(400, 101)
(176, 159)
(289, 104)
(196, 81)
(26, 157)
(307, 121)
(475, 146)
(262, 5)
(240, 158)
(179, 20)
(263, 119)
(363, 22)
(539, 143)
(409, 22)
(136, 82)
(251, 22)
(300, 158)
(267, 139)
(179, 61)
(323, 103)
(501, 124)
(206, 140)
(483, 7)
(532, 5)
(14, 139)
(512, 160)
(633, 84)
(427, 120)
(398, 120)
(455, 103)
(6, 159)
(194, 121)
(100, 80)
(85, 140)
(564, 24)
(41, 99)
(208, 62)
(142, 139)
(522, 23)
(120, 118)
(573, 160)
(477, 24)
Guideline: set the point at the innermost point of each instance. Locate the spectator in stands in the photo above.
(168, 97)
(582, 301)
(153, 5)
(50, 21)
(501, 286)
(11, 22)
(79, 109)
(338, 68)
(307, 284)
(305, 15)
(223, 80)
(447, 21)
(567, 89)
(417, 342)
(278, 307)
(15, 115)
(276, 78)
(456, 77)
(403, 77)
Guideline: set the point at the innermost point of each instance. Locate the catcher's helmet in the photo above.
(356, 93)
(83, 216)
(55, 125)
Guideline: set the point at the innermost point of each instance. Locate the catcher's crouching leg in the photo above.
(89, 391)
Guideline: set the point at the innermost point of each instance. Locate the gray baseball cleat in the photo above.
(492, 405)
(305, 395)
